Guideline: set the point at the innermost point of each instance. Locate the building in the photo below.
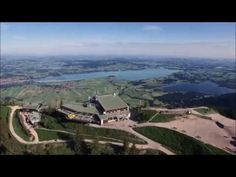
(111, 108)
(34, 117)
(79, 112)
(29, 118)
(100, 109)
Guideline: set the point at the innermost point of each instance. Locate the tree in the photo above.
(60, 103)
(3, 149)
(145, 104)
(125, 148)
(133, 150)
(108, 150)
(27, 151)
(52, 105)
(80, 146)
(95, 148)
(47, 149)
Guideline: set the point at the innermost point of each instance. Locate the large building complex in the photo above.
(100, 109)
(111, 107)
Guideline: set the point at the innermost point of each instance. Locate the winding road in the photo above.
(150, 144)
(207, 131)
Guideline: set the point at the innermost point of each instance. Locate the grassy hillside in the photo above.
(163, 118)
(59, 123)
(152, 115)
(9, 145)
(145, 115)
(224, 104)
(180, 143)
(50, 135)
(19, 129)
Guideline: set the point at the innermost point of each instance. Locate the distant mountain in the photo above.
(224, 104)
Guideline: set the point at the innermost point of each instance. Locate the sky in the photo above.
(208, 40)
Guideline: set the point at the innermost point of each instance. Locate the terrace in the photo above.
(78, 112)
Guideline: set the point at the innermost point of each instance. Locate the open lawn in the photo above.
(158, 93)
(132, 102)
(180, 143)
(50, 135)
(69, 92)
(4, 112)
(59, 123)
(163, 118)
(205, 111)
(112, 134)
(11, 146)
(78, 91)
(145, 115)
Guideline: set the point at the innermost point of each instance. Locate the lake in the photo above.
(206, 87)
(131, 75)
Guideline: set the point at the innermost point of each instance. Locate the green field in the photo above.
(132, 102)
(179, 143)
(4, 112)
(20, 131)
(204, 111)
(11, 146)
(159, 93)
(145, 115)
(79, 91)
(163, 118)
(133, 93)
(112, 134)
(50, 135)
(58, 123)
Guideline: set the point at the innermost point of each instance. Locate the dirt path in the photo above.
(125, 126)
(152, 117)
(204, 130)
(151, 145)
(29, 128)
(194, 126)
(18, 138)
(54, 130)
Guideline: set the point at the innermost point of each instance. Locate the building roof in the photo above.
(80, 108)
(111, 102)
(34, 117)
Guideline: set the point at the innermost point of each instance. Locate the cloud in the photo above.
(4, 27)
(190, 49)
(152, 28)
(19, 37)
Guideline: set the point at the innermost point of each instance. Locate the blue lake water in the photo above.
(206, 87)
(131, 75)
